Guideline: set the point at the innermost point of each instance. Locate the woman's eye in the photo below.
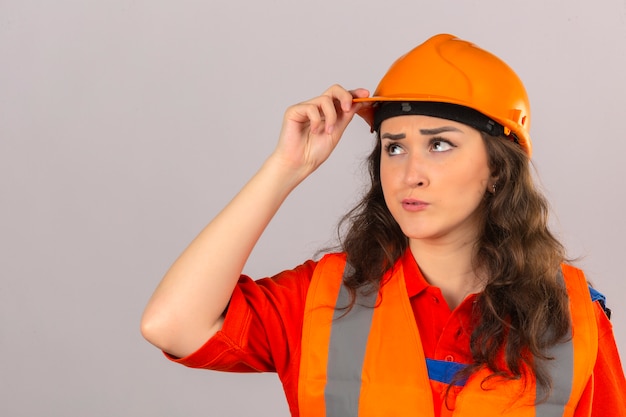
(394, 149)
(439, 145)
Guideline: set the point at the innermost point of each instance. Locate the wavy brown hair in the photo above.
(523, 310)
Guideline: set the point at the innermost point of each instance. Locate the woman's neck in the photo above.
(450, 268)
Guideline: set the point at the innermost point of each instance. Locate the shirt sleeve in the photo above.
(609, 398)
(262, 327)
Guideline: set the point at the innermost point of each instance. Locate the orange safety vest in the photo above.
(370, 361)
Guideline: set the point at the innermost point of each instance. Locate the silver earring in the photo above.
(493, 188)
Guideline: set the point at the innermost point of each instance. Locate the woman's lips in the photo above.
(410, 204)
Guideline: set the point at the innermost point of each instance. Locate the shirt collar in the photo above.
(415, 281)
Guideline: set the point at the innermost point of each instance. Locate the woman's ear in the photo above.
(492, 185)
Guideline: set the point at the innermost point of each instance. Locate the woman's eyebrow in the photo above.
(425, 132)
(392, 136)
(438, 130)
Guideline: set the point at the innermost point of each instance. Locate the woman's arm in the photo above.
(187, 307)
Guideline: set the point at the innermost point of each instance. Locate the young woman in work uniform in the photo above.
(449, 296)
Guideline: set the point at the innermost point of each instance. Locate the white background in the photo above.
(126, 125)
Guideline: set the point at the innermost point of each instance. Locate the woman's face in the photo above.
(434, 174)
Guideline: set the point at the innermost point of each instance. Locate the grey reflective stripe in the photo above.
(562, 373)
(346, 353)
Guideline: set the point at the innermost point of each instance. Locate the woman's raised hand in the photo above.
(312, 129)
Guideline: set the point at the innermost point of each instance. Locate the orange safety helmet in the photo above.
(445, 69)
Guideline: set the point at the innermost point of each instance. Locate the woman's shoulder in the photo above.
(573, 273)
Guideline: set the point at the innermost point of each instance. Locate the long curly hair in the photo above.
(523, 310)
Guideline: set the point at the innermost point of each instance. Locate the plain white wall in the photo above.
(126, 125)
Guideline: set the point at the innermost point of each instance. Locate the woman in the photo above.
(449, 295)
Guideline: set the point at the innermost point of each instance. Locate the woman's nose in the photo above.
(415, 173)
